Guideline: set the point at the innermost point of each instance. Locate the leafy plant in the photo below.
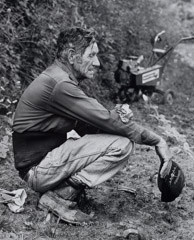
(29, 29)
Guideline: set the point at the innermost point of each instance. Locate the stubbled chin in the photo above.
(90, 75)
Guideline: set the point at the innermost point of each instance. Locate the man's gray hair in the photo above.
(75, 38)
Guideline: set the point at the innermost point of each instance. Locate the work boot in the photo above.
(71, 190)
(63, 208)
(67, 192)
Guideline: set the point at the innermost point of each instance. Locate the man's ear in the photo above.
(71, 56)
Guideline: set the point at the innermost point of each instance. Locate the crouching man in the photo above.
(54, 104)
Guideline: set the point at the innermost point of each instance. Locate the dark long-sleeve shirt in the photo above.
(55, 104)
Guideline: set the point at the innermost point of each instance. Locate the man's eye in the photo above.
(91, 55)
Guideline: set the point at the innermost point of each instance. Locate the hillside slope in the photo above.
(115, 210)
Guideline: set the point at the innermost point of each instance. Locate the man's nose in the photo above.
(96, 62)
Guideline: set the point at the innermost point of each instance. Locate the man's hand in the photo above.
(165, 156)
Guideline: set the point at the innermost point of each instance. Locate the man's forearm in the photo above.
(150, 138)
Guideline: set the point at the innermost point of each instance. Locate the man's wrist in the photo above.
(150, 138)
(161, 142)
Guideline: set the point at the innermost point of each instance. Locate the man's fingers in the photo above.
(165, 169)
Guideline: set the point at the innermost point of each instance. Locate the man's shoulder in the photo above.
(56, 73)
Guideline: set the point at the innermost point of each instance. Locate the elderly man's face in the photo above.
(85, 65)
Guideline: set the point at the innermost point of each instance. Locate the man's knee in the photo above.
(125, 145)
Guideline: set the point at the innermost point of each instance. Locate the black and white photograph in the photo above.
(96, 119)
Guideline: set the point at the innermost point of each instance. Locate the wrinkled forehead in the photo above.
(92, 48)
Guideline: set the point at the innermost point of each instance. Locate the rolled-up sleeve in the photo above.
(68, 99)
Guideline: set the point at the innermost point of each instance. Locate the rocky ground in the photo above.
(117, 210)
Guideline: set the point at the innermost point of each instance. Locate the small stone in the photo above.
(128, 232)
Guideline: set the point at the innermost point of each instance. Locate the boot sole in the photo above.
(47, 202)
(44, 207)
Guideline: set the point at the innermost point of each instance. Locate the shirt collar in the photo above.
(66, 69)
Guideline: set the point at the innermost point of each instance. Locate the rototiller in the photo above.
(137, 81)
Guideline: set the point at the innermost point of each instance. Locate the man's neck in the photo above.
(67, 67)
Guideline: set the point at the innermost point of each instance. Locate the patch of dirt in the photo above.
(115, 210)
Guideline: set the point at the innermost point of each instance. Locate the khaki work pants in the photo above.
(91, 160)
